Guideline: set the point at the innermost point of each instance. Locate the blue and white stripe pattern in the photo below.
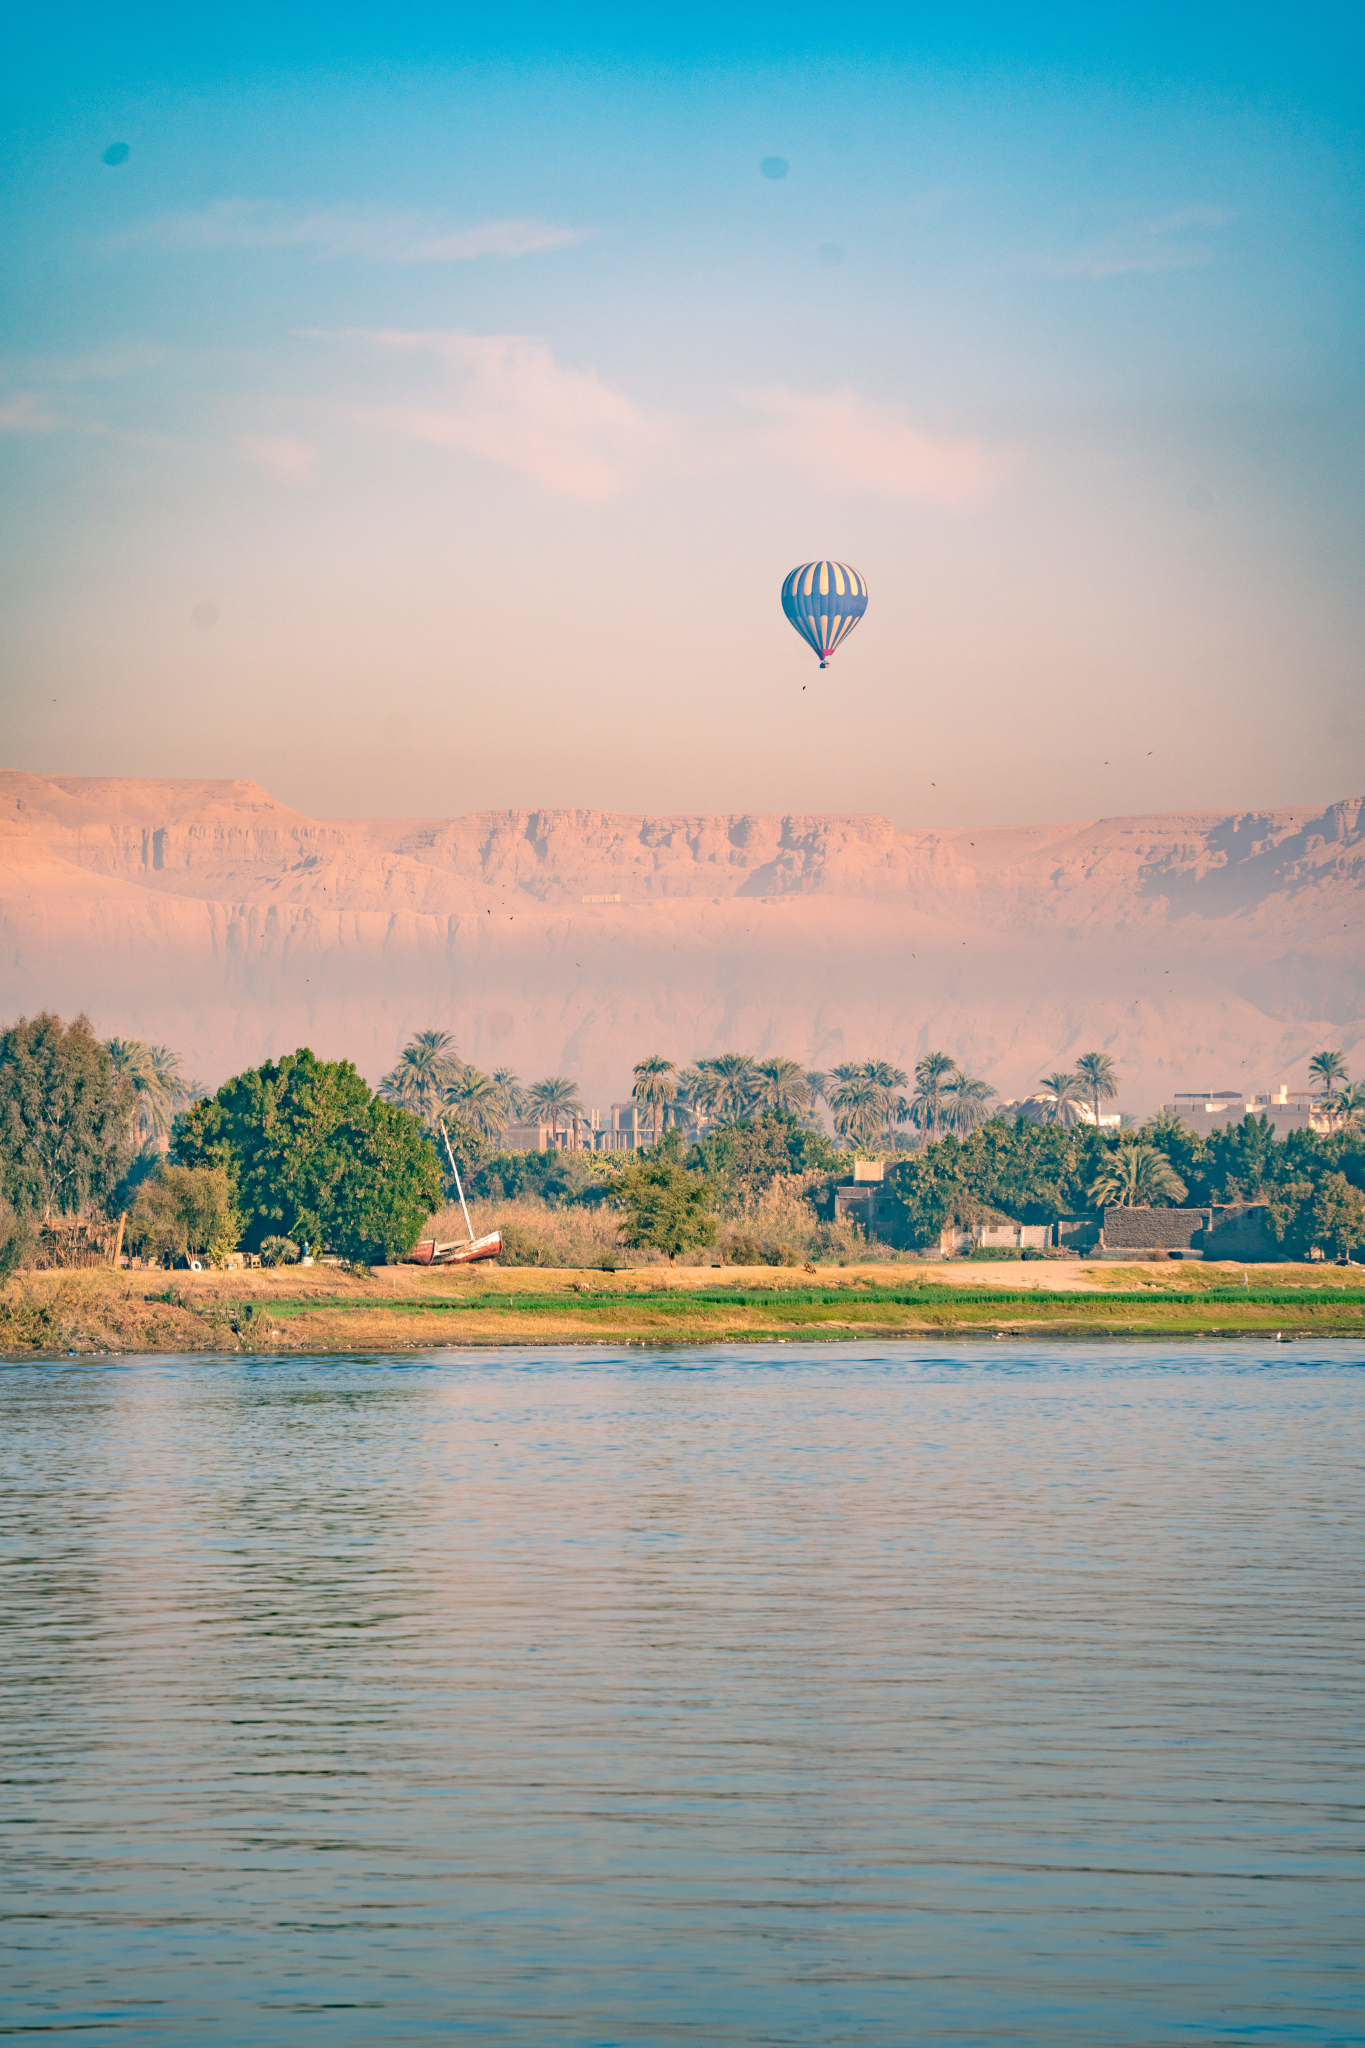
(824, 601)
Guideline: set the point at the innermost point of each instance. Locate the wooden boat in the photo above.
(461, 1253)
(465, 1249)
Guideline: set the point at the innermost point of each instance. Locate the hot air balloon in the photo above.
(824, 601)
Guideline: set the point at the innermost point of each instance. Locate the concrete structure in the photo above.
(528, 1138)
(1004, 1234)
(1076, 1234)
(1215, 1110)
(858, 1204)
(1231, 1230)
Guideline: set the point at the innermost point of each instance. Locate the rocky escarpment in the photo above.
(1201, 949)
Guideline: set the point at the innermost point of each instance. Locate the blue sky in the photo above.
(417, 420)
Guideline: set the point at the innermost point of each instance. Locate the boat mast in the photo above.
(456, 1171)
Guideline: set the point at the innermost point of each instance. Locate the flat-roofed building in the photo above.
(1214, 1109)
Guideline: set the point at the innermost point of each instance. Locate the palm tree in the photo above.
(1137, 1176)
(655, 1086)
(153, 1071)
(1096, 1073)
(513, 1094)
(932, 1077)
(557, 1101)
(696, 1095)
(970, 1102)
(1329, 1073)
(859, 1103)
(479, 1098)
(1327, 1068)
(783, 1087)
(1349, 1106)
(888, 1079)
(1059, 1100)
(818, 1083)
(426, 1066)
(737, 1085)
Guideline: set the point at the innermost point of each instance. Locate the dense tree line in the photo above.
(300, 1153)
(1310, 1182)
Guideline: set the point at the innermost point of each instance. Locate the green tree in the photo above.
(65, 1117)
(481, 1101)
(666, 1206)
(1338, 1216)
(513, 1096)
(1240, 1160)
(737, 1085)
(888, 1079)
(969, 1101)
(1032, 1172)
(932, 1076)
(1187, 1150)
(314, 1156)
(859, 1104)
(1289, 1206)
(159, 1087)
(426, 1067)
(1058, 1099)
(741, 1161)
(696, 1095)
(1137, 1176)
(655, 1086)
(1350, 1107)
(1329, 1073)
(180, 1211)
(1096, 1073)
(783, 1087)
(557, 1101)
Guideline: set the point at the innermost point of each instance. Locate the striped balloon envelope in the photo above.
(824, 601)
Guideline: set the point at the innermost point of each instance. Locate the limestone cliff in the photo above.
(1200, 949)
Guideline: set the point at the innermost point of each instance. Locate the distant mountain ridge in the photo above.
(1201, 949)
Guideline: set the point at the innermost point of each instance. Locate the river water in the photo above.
(993, 1693)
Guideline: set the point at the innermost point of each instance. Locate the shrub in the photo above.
(666, 1206)
(522, 1247)
(180, 1210)
(741, 1250)
(279, 1251)
(1338, 1216)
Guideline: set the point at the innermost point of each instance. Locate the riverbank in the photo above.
(322, 1309)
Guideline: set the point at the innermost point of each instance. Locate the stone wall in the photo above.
(1150, 1230)
(1241, 1230)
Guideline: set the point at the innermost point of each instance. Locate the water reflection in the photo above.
(840, 1695)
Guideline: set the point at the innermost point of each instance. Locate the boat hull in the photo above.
(463, 1253)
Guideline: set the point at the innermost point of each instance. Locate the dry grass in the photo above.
(779, 1228)
(535, 1233)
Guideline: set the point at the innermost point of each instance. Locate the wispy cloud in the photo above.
(1175, 241)
(849, 443)
(505, 399)
(509, 402)
(25, 412)
(340, 231)
(280, 455)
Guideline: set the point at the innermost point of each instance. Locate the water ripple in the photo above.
(858, 1694)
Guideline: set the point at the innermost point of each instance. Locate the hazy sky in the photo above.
(422, 417)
